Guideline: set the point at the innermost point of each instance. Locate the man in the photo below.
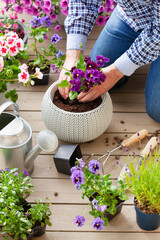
(130, 39)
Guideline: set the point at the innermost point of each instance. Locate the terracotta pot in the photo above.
(76, 127)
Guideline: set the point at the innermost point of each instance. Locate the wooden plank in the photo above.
(121, 122)
(63, 215)
(99, 235)
(44, 166)
(64, 189)
(102, 144)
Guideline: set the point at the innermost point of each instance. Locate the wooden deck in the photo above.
(129, 117)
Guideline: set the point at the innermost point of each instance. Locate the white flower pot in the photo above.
(76, 127)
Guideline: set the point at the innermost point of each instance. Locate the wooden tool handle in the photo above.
(135, 138)
(149, 147)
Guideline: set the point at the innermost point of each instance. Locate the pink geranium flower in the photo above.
(23, 67)
(1, 24)
(1, 64)
(13, 51)
(10, 41)
(20, 44)
(23, 77)
(3, 51)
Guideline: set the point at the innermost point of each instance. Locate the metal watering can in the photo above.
(16, 141)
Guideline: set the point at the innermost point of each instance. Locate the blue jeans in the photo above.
(114, 40)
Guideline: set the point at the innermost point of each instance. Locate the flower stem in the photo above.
(86, 208)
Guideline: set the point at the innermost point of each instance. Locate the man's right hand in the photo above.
(70, 61)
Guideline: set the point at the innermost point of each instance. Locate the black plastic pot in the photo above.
(44, 80)
(107, 214)
(146, 221)
(65, 157)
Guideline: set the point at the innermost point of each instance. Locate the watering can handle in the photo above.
(7, 104)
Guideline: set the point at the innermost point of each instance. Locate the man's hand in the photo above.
(70, 61)
(113, 75)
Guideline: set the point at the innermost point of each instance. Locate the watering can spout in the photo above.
(47, 141)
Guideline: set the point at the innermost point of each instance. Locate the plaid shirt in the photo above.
(138, 14)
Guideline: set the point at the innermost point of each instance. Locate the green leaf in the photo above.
(73, 95)
(63, 84)
(67, 73)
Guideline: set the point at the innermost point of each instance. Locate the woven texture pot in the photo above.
(76, 127)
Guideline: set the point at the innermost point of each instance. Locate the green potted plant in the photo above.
(105, 198)
(18, 218)
(12, 52)
(143, 182)
(45, 57)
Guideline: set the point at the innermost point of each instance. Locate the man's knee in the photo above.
(153, 110)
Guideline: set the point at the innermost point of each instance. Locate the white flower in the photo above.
(38, 74)
(1, 64)
(23, 67)
(23, 77)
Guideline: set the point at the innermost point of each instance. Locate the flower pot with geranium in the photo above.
(18, 218)
(44, 57)
(71, 120)
(11, 23)
(143, 182)
(105, 198)
(12, 51)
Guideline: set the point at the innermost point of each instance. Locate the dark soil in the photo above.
(74, 106)
(144, 209)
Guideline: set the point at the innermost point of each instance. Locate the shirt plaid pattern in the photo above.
(138, 14)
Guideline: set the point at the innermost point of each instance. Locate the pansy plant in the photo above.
(84, 75)
(103, 195)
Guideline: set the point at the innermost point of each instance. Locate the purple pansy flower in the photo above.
(59, 54)
(46, 21)
(101, 60)
(95, 203)
(78, 74)
(54, 68)
(7, 169)
(55, 38)
(79, 220)
(81, 163)
(94, 166)
(36, 22)
(87, 59)
(25, 172)
(101, 208)
(76, 85)
(77, 178)
(91, 65)
(98, 223)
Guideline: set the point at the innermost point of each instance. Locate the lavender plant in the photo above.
(103, 195)
(84, 75)
(143, 180)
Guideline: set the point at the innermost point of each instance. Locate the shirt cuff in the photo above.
(74, 40)
(125, 65)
